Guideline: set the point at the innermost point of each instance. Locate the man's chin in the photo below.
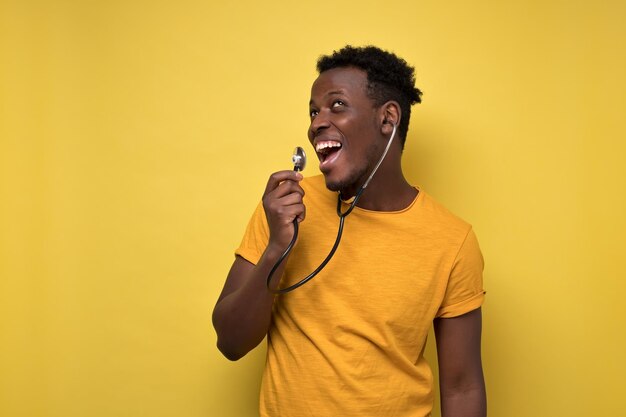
(333, 185)
(332, 182)
(347, 182)
(338, 185)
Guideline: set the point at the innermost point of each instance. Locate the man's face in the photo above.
(344, 130)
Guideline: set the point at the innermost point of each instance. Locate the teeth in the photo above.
(323, 145)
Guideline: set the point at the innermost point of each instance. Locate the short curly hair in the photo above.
(389, 77)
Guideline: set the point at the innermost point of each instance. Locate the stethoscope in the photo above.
(299, 161)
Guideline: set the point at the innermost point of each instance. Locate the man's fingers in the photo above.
(286, 188)
(290, 199)
(287, 207)
(278, 177)
(283, 203)
(302, 214)
(295, 211)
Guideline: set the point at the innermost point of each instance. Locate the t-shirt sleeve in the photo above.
(464, 291)
(255, 238)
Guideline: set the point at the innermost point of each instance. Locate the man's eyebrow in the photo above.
(330, 93)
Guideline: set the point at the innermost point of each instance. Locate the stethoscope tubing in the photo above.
(342, 216)
(317, 270)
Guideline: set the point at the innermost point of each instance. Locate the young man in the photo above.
(350, 342)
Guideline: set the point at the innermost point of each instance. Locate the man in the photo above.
(350, 342)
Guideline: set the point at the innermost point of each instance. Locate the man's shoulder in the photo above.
(439, 215)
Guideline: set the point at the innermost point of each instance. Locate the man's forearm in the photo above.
(464, 403)
(242, 317)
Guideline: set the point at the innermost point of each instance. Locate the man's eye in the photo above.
(313, 113)
(338, 103)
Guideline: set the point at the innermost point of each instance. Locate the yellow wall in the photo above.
(135, 141)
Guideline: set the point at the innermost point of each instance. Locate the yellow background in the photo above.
(136, 138)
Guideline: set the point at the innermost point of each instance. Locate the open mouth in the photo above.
(327, 151)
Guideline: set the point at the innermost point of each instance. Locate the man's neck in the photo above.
(387, 196)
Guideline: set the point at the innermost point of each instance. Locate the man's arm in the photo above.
(461, 381)
(243, 311)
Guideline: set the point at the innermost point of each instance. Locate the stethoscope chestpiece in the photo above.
(298, 159)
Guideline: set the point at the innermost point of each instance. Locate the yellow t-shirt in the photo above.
(350, 342)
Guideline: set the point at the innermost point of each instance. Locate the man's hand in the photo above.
(282, 201)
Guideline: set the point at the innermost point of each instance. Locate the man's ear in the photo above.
(390, 115)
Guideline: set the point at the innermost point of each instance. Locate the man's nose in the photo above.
(320, 121)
